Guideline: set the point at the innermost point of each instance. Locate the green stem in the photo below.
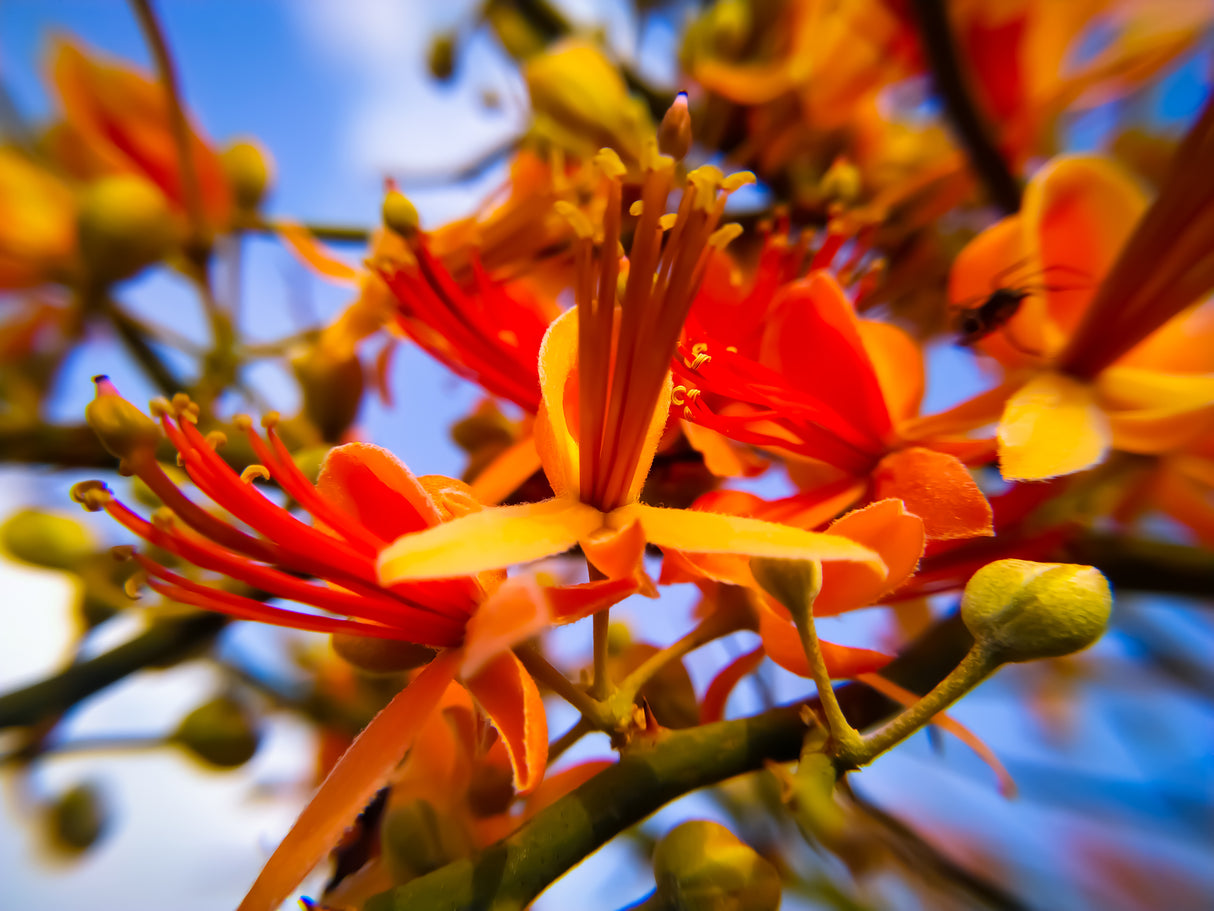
(935, 34)
(513, 872)
(164, 643)
(542, 670)
(154, 35)
(334, 234)
(713, 627)
(846, 738)
(130, 333)
(977, 665)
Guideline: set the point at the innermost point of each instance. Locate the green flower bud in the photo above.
(381, 656)
(220, 732)
(78, 817)
(793, 583)
(47, 539)
(1018, 610)
(123, 429)
(400, 215)
(417, 840)
(250, 171)
(674, 132)
(441, 58)
(124, 225)
(332, 390)
(702, 866)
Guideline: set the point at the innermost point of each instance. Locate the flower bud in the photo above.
(400, 215)
(1018, 610)
(332, 390)
(78, 817)
(440, 59)
(417, 839)
(674, 132)
(123, 429)
(793, 583)
(124, 225)
(249, 170)
(47, 539)
(702, 866)
(381, 656)
(220, 732)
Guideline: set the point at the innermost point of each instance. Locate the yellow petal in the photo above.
(558, 449)
(1051, 426)
(712, 533)
(490, 539)
(359, 773)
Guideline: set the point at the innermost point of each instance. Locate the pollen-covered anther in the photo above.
(270, 420)
(122, 553)
(160, 407)
(92, 495)
(723, 236)
(577, 219)
(134, 584)
(682, 397)
(242, 422)
(608, 161)
(164, 519)
(253, 473)
(217, 439)
(185, 409)
(699, 356)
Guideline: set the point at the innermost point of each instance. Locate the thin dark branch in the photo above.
(931, 20)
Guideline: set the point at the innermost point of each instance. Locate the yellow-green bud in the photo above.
(400, 215)
(123, 429)
(78, 817)
(220, 732)
(674, 132)
(1018, 610)
(416, 839)
(332, 390)
(250, 171)
(441, 58)
(842, 181)
(793, 583)
(381, 656)
(124, 225)
(47, 539)
(702, 866)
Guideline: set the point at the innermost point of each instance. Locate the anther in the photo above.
(92, 495)
(253, 472)
(217, 439)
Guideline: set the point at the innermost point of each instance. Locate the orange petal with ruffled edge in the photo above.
(892, 532)
(512, 701)
(1051, 426)
(514, 613)
(570, 603)
(491, 539)
(898, 364)
(1078, 212)
(782, 643)
(372, 485)
(936, 487)
(837, 369)
(361, 772)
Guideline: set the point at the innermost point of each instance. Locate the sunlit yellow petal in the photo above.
(489, 539)
(558, 448)
(1052, 426)
(712, 533)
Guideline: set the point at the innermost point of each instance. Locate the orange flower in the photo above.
(787, 365)
(363, 499)
(117, 120)
(1107, 351)
(605, 378)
